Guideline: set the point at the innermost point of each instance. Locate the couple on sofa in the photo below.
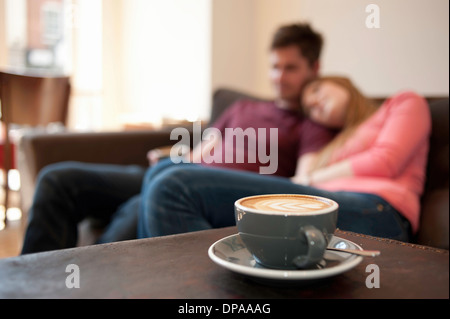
(332, 142)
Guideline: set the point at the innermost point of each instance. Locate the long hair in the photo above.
(359, 109)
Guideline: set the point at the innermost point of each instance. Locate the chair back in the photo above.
(29, 100)
(33, 100)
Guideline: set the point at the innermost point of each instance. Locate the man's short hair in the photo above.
(301, 35)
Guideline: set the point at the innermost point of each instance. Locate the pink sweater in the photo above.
(388, 154)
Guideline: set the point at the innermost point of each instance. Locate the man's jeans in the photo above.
(68, 192)
(186, 198)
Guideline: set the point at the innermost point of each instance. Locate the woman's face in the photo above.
(326, 103)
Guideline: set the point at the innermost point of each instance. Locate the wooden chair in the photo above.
(32, 101)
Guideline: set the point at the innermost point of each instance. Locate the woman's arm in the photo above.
(306, 176)
(303, 170)
(406, 128)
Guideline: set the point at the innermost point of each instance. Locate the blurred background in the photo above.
(148, 60)
(141, 63)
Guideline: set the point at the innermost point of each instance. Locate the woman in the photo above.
(374, 169)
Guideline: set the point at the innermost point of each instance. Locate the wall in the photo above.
(15, 35)
(112, 62)
(87, 106)
(166, 59)
(3, 47)
(410, 50)
(234, 44)
(155, 62)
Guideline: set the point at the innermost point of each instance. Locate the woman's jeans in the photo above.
(189, 197)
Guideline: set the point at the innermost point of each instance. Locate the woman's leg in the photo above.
(190, 198)
(371, 215)
(68, 192)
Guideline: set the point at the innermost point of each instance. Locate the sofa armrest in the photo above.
(38, 150)
(434, 229)
(129, 147)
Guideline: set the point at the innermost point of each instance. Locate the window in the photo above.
(52, 22)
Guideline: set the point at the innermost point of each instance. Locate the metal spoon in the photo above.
(366, 253)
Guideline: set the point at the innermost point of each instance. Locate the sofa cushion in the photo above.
(438, 159)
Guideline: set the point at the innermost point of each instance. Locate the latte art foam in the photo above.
(285, 204)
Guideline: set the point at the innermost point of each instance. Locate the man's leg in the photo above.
(68, 192)
(123, 225)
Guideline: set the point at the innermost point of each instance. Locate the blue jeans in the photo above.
(68, 192)
(175, 198)
(189, 197)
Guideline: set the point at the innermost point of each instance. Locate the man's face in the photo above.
(289, 71)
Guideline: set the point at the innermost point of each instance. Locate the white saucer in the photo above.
(231, 253)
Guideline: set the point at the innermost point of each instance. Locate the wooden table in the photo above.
(179, 267)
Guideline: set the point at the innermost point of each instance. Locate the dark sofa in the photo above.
(131, 147)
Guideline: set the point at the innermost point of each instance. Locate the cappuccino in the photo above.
(286, 231)
(285, 203)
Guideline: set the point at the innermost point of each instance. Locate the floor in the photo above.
(11, 236)
(11, 239)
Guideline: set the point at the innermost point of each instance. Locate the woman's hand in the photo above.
(301, 180)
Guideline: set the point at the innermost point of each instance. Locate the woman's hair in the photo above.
(359, 109)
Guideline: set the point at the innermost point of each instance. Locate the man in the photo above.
(294, 58)
(66, 193)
